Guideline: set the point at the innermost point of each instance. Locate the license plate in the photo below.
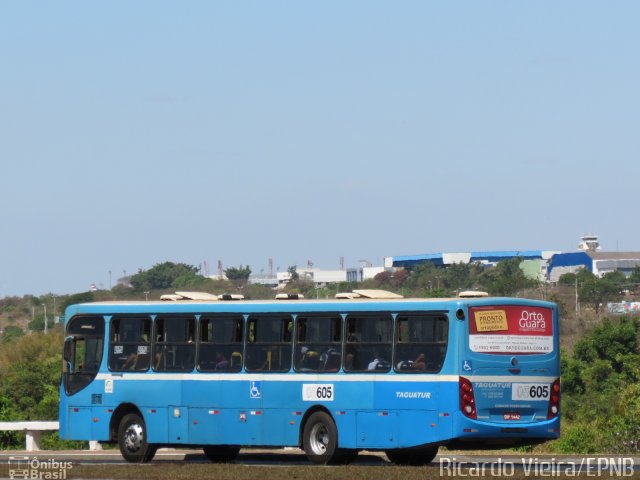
(530, 391)
(511, 416)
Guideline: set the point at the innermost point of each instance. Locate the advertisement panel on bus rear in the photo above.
(511, 329)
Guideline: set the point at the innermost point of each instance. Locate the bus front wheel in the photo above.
(320, 438)
(132, 439)
(221, 453)
(412, 456)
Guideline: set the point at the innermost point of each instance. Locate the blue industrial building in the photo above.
(442, 259)
(539, 264)
(598, 263)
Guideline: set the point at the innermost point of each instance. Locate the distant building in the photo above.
(534, 264)
(598, 263)
(217, 277)
(268, 281)
(321, 277)
(589, 243)
(370, 272)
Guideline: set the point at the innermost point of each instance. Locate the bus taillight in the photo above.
(554, 400)
(467, 398)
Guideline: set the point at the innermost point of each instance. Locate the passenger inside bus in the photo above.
(309, 360)
(348, 361)
(221, 361)
(408, 365)
(378, 362)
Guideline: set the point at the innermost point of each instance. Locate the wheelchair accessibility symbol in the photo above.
(466, 365)
(255, 390)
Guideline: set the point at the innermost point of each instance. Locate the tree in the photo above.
(29, 385)
(634, 278)
(392, 280)
(462, 276)
(293, 271)
(83, 297)
(12, 332)
(567, 279)
(193, 282)
(37, 324)
(506, 278)
(239, 275)
(422, 279)
(161, 276)
(599, 291)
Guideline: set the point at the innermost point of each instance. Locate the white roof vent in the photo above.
(289, 296)
(170, 297)
(230, 297)
(370, 294)
(380, 294)
(347, 296)
(199, 296)
(473, 294)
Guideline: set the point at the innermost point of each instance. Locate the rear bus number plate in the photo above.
(511, 416)
(530, 391)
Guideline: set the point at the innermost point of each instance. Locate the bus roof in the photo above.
(292, 306)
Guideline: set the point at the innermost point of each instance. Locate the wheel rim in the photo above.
(133, 437)
(319, 439)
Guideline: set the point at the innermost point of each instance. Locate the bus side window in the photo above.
(175, 347)
(269, 344)
(421, 343)
(318, 344)
(220, 344)
(129, 346)
(369, 343)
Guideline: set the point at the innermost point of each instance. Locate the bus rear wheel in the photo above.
(320, 439)
(412, 456)
(132, 439)
(221, 453)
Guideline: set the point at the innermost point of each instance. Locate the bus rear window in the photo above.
(511, 329)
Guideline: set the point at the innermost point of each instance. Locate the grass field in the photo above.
(252, 472)
(267, 466)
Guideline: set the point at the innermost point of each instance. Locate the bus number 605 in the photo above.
(313, 392)
(325, 392)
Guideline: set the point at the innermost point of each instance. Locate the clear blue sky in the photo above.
(133, 133)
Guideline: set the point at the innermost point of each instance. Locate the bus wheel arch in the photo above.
(131, 434)
(319, 438)
(119, 413)
(305, 417)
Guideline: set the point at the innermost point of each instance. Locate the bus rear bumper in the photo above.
(473, 434)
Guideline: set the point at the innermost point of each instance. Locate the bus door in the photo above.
(510, 369)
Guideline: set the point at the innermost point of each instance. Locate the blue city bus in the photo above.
(332, 377)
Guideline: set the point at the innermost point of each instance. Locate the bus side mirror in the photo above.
(68, 353)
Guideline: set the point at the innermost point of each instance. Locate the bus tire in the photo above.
(132, 440)
(221, 453)
(320, 439)
(412, 456)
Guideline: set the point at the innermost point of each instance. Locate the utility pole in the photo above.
(577, 301)
(45, 318)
